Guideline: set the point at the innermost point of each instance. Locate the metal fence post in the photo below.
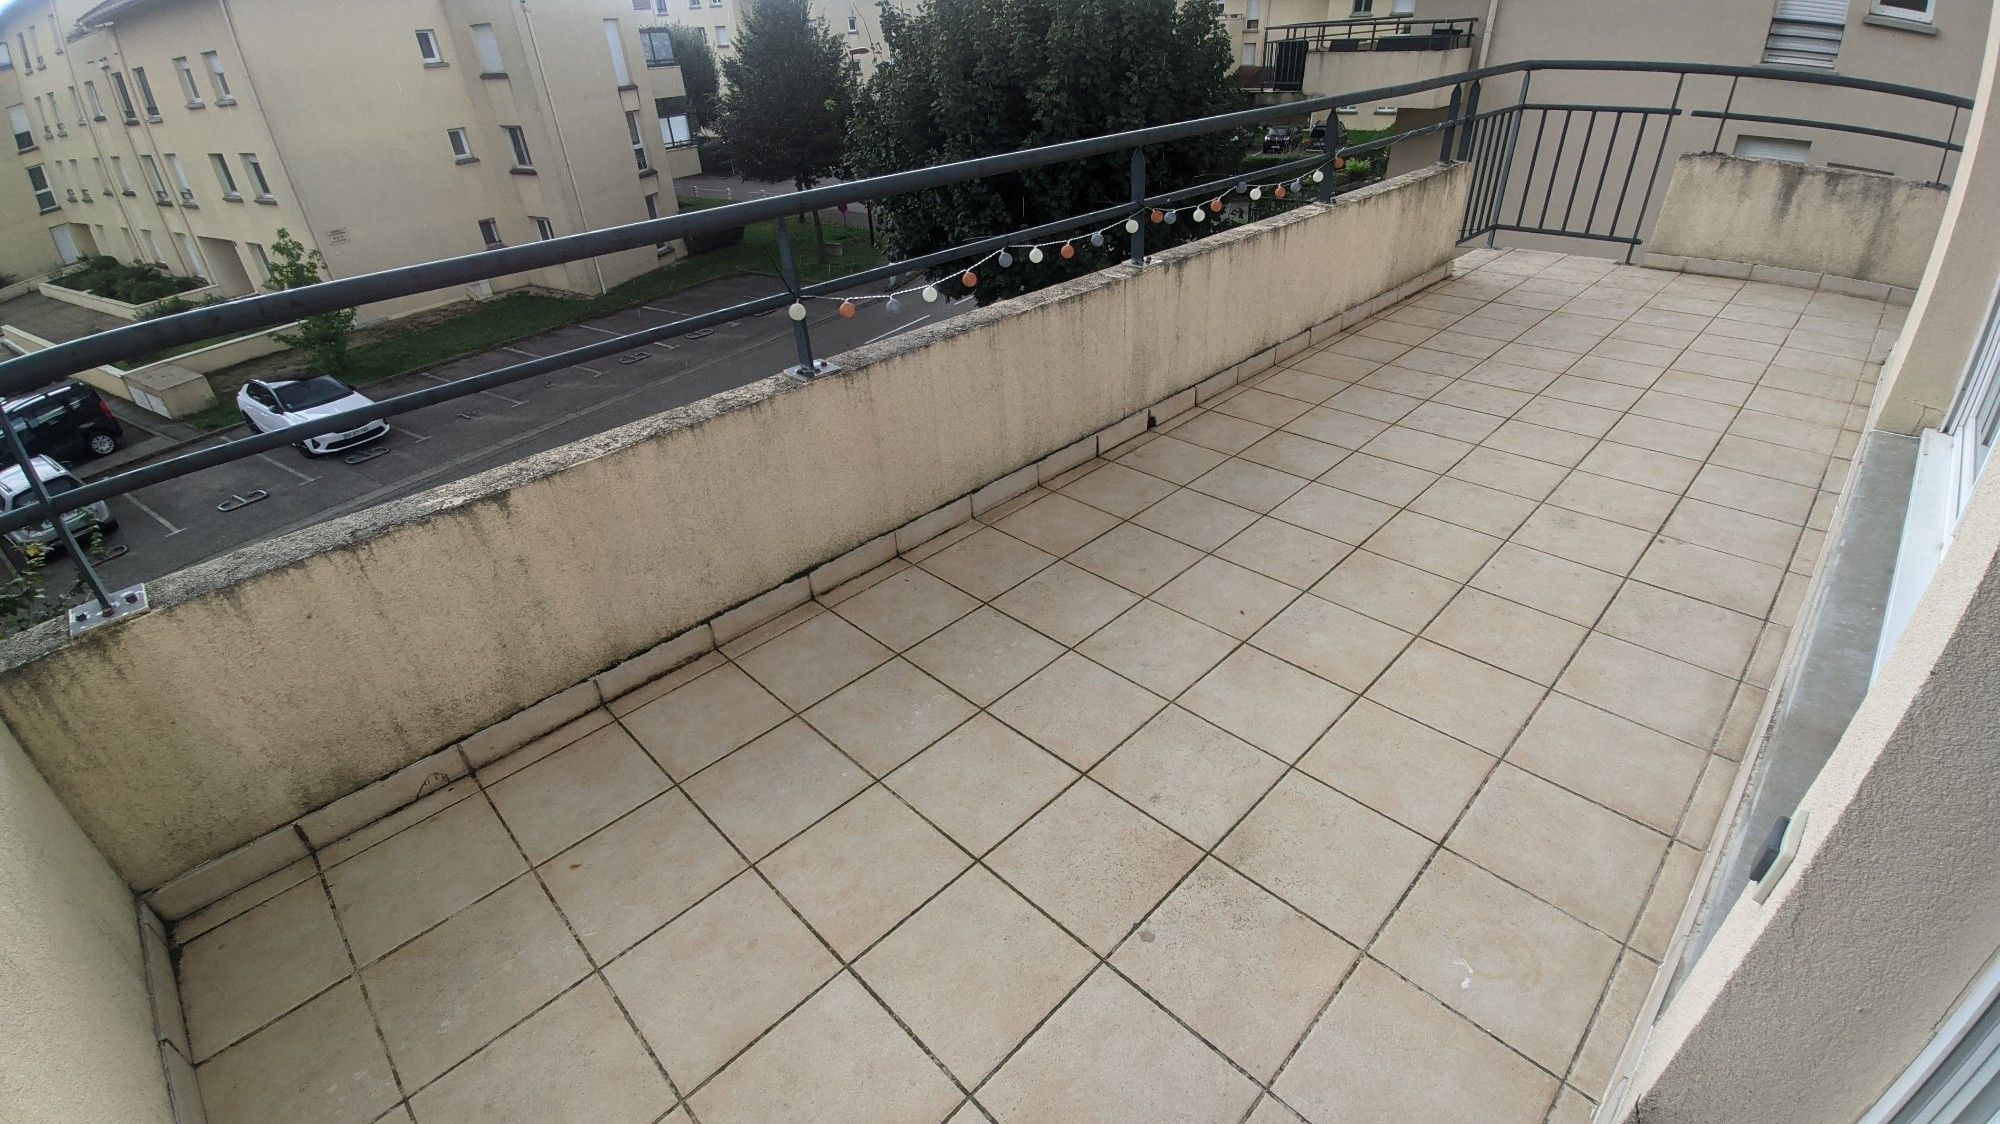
(1471, 121)
(788, 269)
(1139, 205)
(60, 521)
(1450, 125)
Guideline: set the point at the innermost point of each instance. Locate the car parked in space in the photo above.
(275, 405)
(1280, 138)
(15, 491)
(68, 420)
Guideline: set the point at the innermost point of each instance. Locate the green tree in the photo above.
(323, 337)
(697, 65)
(784, 114)
(972, 78)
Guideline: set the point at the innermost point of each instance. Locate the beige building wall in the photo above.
(26, 248)
(859, 24)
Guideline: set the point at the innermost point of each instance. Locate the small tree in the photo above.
(784, 114)
(322, 337)
(697, 65)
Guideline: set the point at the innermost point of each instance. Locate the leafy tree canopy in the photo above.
(697, 65)
(976, 77)
(784, 114)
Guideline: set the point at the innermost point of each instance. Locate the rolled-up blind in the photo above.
(1806, 33)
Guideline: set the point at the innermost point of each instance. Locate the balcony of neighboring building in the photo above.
(1315, 59)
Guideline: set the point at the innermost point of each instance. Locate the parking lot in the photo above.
(178, 523)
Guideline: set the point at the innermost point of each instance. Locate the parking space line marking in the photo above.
(657, 308)
(893, 331)
(595, 328)
(157, 517)
(573, 366)
(493, 393)
(420, 437)
(285, 468)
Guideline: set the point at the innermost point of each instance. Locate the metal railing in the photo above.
(1484, 137)
(1287, 45)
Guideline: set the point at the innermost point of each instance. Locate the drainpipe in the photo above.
(562, 149)
(1486, 38)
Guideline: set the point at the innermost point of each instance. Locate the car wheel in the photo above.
(252, 423)
(103, 444)
(305, 450)
(108, 526)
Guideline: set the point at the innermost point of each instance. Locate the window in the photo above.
(489, 50)
(489, 233)
(45, 196)
(192, 253)
(639, 156)
(1773, 148)
(1806, 33)
(653, 212)
(24, 133)
(76, 177)
(544, 229)
(517, 139)
(1252, 11)
(721, 35)
(694, 5)
(41, 118)
(658, 44)
(103, 177)
(701, 31)
(82, 118)
(124, 181)
(188, 87)
(180, 178)
(224, 177)
(1364, 7)
(1918, 10)
(461, 145)
(125, 99)
(152, 246)
(619, 70)
(35, 41)
(262, 259)
(674, 130)
(6, 56)
(854, 25)
(55, 115)
(218, 79)
(1249, 54)
(256, 169)
(96, 104)
(427, 46)
(153, 177)
(145, 94)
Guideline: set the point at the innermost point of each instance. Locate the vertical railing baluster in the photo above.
(1604, 171)
(1472, 118)
(57, 519)
(1555, 167)
(1451, 124)
(1639, 224)
(1139, 205)
(1722, 122)
(788, 268)
(1534, 161)
(1582, 158)
(1511, 129)
(1944, 154)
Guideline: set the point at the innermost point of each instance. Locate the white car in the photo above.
(271, 406)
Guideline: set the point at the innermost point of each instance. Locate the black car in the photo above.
(1278, 138)
(68, 422)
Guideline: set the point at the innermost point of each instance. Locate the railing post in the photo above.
(1450, 125)
(788, 269)
(1511, 130)
(1139, 205)
(1722, 122)
(1471, 121)
(57, 519)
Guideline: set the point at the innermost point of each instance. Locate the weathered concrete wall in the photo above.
(270, 681)
(1818, 220)
(76, 1026)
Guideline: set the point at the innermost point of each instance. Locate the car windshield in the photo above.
(307, 393)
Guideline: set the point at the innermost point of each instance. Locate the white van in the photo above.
(16, 491)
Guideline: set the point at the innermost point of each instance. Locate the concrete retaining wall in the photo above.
(1793, 217)
(275, 679)
(119, 309)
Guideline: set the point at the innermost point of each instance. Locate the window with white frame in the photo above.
(461, 145)
(674, 129)
(517, 139)
(854, 25)
(488, 45)
(489, 233)
(55, 116)
(153, 253)
(427, 46)
(1919, 11)
(658, 46)
(1252, 12)
(638, 136)
(262, 260)
(544, 229)
(118, 170)
(721, 35)
(192, 253)
(619, 71)
(24, 132)
(694, 5)
(96, 103)
(188, 85)
(255, 168)
(76, 177)
(218, 78)
(45, 196)
(224, 177)
(82, 118)
(103, 176)
(1249, 54)
(153, 179)
(180, 178)
(6, 56)
(145, 93)
(653, 212)
(124, 98)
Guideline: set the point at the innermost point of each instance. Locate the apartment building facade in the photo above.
(380, 132)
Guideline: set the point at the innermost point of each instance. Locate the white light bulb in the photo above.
(1199, 214)
(930, 293)
(1097, 238)
(1256, 193)
(1319, 176)
(797, 311)
(1005, 259)
(1035, 255)
(1131, 226)
(893, 305)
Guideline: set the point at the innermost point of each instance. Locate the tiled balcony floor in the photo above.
(1342, 748)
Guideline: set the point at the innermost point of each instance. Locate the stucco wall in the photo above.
(76, 1026)
(1820, 220)
(279, 677)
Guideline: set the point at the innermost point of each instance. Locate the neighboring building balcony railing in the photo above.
(1287, 45)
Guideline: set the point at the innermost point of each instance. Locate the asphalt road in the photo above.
(176, 524)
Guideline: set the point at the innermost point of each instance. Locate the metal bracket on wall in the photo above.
(127, 602)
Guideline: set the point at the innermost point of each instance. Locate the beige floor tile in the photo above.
(1402, 769)
(1711, 416)
(438, 998)
(1267, 702)
(1705, 806)
(1747, 491)
(1569, 417)
(1578, 390)
(1509, 472)
(1374, 403)
(1510, 376)
(1094, 863)
(1473, 506)
(773, 788)
(1476, 703)
(1444, 549)
(1226, 597)
(1673, 624)
(981, 782)
(1387, 590)
(1066, 602)
(1188, 774)
(1418, 449)
(1616, 762)
(1515, 965)
(984, 655)
(1493, 401)
(1057, 523)
(838, 1058)
(1387, 481)
(1136, 558)
(1300, 841)
(1797, 466)
(248, 971)
(1299, 456)
(1653, 690)
(1617, 500)
(629, 879)
(814, 660)
(576, 790)
(907, 607)
(1172, 459)
(1248, 484)
(1200, 521)
(1598, 1060)
(1331, 641)
(1570, 590)
(1158, 648)
(1277, 549)
(1335, 365)
(1529, 643)
(1077, 709)
(885, 717)
(1455, 422)
(1598, 543)
(1740, 533)
(1259, 405)
(1109, 1055)
(1539, 442)
(1662, 436)
(701, 720)
(1644, 467)
(1220, 432)
(1337, 514)
(857, 873)
(576, 1059)
(1363, 1060)
(413, 880)
(1580, 857)
(1245, 970)
(988, 563)
(320, 1064)
(1655, 930)
(973, 972)
(1336, 427)
(1122, 491)
(705, 986)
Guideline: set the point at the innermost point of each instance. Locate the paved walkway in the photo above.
(1342, 750)
(54, 320)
